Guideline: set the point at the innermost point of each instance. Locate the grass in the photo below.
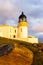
(37, 50)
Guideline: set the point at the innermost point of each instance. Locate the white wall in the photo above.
(8, 31)
(23, 32)
(5, 31)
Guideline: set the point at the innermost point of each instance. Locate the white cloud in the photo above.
(11, 9)
(38, 28)
(8, 10)
(11, 22)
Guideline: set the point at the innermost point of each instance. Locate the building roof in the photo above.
(22, 15)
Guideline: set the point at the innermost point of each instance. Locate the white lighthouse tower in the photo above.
(22, 26)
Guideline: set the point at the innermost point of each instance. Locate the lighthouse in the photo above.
(19, 32)
(22, 26)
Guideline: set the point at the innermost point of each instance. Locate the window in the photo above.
(15, 31)
(21, 29)
(20, 19)
(24, 19)
(14, 36)
(10, 30)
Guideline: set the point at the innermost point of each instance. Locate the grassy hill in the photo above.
(37, 50)
(21, 53)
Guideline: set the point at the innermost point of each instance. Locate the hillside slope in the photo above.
(20, 55)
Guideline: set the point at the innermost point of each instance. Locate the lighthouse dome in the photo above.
(22, 18)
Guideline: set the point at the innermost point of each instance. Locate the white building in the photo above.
(20, 32)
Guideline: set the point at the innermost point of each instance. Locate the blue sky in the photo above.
(33, 9)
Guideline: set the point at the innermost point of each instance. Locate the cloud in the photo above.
(37, 12)
(36, 25)
(38, 28)
(34, 12)
(33, 9)
(8, 10)
(11, 22)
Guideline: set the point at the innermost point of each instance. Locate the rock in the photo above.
(5, 49)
